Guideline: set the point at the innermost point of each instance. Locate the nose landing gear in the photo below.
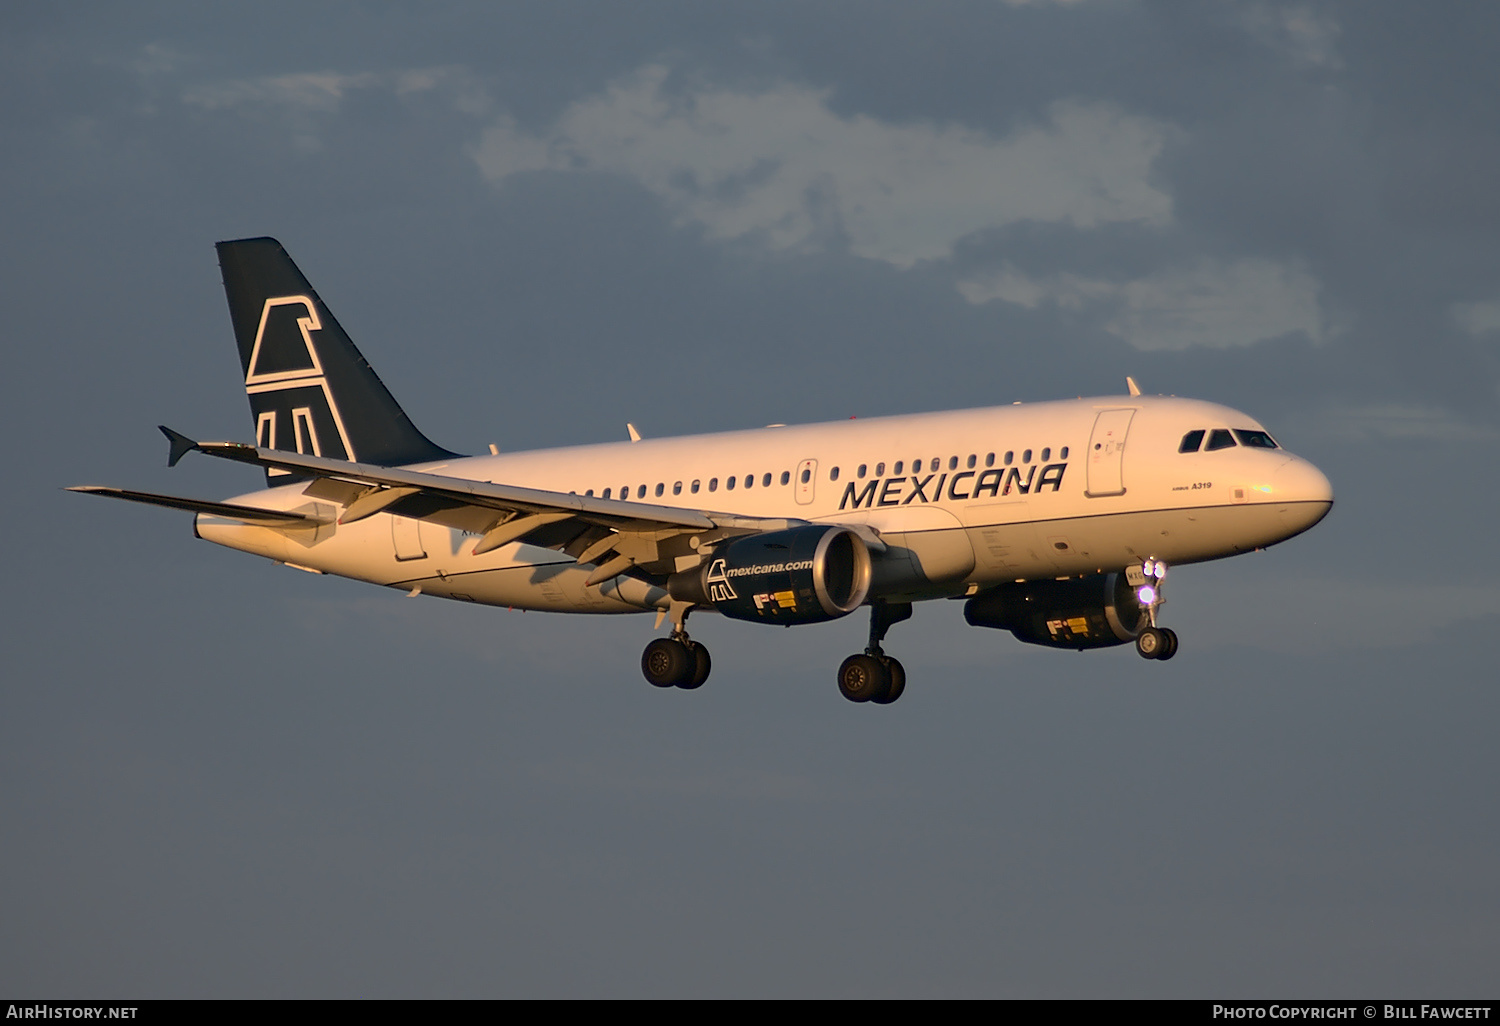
(1153, 642)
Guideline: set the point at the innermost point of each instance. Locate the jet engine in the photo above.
(1089, 612)
(802, 575)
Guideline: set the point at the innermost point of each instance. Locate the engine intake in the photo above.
(1090, 612)
(802, 575)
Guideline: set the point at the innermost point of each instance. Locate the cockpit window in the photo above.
(1255, 439)
(1191, 441)
(1220, 439)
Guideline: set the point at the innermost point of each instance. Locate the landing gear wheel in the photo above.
(701, 666)
(1151, 643)
(897, 674)
(1171, 648)
(862, 678)
(667, 663)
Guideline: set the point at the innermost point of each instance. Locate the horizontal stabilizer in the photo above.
(233, 511)
(180, 444)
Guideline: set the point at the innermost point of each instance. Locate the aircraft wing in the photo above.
(645, 535)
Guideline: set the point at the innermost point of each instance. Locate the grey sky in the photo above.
(539, 221)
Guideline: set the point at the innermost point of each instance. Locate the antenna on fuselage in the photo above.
(1130, 384)
(635, 436)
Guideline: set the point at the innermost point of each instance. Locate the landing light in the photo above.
(1154, 568)
(1146, 594)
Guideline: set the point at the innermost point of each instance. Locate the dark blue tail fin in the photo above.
(310, 389)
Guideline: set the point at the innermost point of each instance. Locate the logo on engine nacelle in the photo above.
(717, 579)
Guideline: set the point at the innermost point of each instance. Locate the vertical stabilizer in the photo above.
(310, 390)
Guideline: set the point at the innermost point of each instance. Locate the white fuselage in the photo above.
(961, 500)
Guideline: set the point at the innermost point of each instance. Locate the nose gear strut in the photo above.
(1152, 642)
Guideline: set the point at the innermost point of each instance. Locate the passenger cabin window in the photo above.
(1220, 439)
(765, 481)
(786, 477)
(1191, 441)
(660, 487)
(833, 475)
(807, 475)
(677, 488)
(1255, 439)
(713, 484)
(696, 483)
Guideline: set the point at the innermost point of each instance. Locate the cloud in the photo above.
(1211, 303)
(1477, 318)
(1306, 36)
(324, 92)
(301, 104)
(779, 166)
(320, 91)
(158, 59)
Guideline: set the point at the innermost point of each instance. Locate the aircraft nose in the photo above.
(1303, 493)
(1297, 480)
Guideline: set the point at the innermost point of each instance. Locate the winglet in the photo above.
(181, 444)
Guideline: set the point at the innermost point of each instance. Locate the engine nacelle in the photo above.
(802, 575)
(1089, 612)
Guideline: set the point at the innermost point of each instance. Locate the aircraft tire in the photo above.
(667, 663)
(862, 678)
(1171, 648)
(897, 674)
(702, 664)
(1151, 643)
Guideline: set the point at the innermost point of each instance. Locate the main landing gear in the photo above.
(871, 675)
(1154, 642)
(677, 661)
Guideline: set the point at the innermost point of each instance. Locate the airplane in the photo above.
(1054, 520)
